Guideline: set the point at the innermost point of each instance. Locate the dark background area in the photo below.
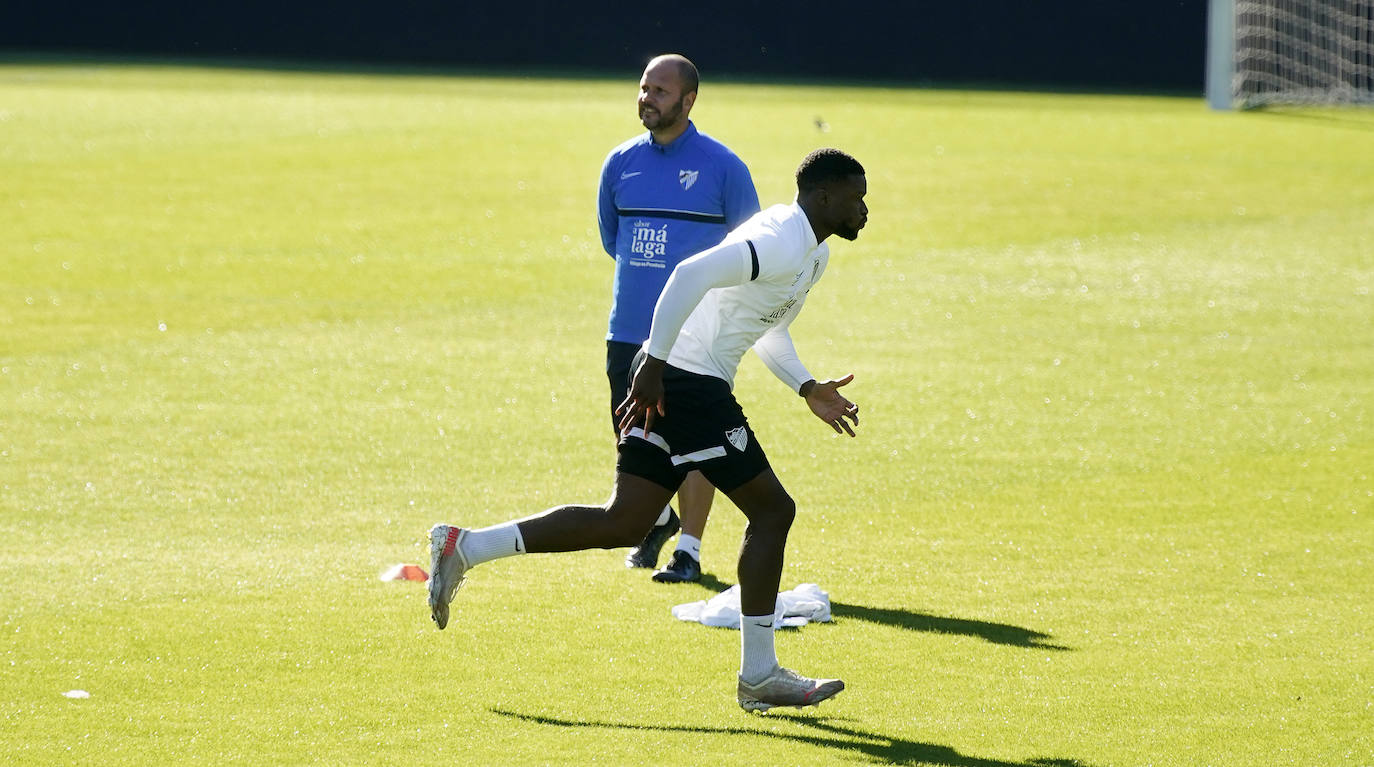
(1150, 45)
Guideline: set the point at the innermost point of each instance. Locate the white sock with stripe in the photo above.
(493, 543)
(757, 655)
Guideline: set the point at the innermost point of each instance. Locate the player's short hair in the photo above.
(825, 166)
(686, 71)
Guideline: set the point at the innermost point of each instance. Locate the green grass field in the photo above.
(1111, 502)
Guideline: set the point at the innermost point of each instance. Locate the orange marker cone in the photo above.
(405, 573)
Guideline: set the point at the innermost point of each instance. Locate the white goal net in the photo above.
(1292, 52)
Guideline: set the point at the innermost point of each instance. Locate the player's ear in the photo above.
(688, 101)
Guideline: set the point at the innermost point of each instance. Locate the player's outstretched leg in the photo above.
(621, 522)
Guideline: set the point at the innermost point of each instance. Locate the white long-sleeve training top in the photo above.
(740, 294)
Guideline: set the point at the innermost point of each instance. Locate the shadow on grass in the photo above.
(712, 583)
(825, 733)
(997, 633)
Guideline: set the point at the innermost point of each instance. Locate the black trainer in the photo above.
(646, 553)
(683, 569)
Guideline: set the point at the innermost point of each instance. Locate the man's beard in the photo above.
(664, 118)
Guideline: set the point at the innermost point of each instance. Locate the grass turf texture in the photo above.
(1110, 504)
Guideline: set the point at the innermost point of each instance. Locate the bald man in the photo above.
(665, 195)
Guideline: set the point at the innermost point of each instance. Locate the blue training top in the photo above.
(659, 205)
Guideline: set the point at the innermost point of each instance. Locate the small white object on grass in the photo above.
(805, 604)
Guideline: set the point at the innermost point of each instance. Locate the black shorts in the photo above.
(620, 358)
(705, 430)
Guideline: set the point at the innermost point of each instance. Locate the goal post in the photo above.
(1262, 52)
(1221, 51)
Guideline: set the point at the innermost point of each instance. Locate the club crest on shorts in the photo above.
(738, 437)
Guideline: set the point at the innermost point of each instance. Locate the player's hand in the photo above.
(830, 406)
(645, 397)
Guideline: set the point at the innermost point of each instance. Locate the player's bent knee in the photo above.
(776, 515)
(785, 513)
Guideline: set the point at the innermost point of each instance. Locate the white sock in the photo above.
(690, 544)
(757, 656)
(493, 543)
(663, 518)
